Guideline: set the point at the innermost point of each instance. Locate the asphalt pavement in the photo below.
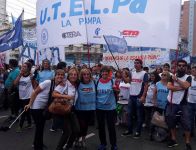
(11, 140)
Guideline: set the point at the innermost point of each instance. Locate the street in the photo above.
(11, 140)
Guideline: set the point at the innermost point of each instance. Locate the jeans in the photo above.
(192, 109)
(71, 131)
(137, 108)
(110, 117)
(39, 120)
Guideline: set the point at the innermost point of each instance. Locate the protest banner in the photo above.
(147, 23)
(149, 57)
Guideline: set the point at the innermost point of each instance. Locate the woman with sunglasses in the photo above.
(86, 103)
(161, 92)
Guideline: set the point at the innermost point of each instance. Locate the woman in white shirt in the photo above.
(24, 83)
(38, 102)
(67, 91)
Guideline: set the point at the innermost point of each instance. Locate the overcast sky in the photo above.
(15, 7)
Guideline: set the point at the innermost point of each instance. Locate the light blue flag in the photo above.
(116, 44)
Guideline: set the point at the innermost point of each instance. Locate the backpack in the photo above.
(159, 134)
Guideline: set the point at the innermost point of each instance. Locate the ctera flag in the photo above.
(12, 38)
(116, 44)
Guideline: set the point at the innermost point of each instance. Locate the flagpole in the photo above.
(88, 45)
(175, 68)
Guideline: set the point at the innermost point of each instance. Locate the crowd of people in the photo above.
(95, 93)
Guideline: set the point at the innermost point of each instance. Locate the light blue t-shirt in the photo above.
(45, 75)
(162, 93)
(105, 96)
(86, 97)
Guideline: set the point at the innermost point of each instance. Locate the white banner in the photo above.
(58, 23)
(29, 50)
(147, 23)
(148, 56)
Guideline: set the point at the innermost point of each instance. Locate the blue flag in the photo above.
(12, 38)
(180, 55)
(116, 44)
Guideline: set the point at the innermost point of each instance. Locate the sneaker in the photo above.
(143, 125)
(83, 143)
(127, 133)
(19, 130)
(172, 143)
(29, 126)
(188, 146)
(137, 135)
(102, 147)
(52, 130)
(114, 148)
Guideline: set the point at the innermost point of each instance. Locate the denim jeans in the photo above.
(192, 109)
(137, 108)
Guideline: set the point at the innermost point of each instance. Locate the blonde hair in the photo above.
(85, 70)
(71, 70)
(59, 71)
(168, 74)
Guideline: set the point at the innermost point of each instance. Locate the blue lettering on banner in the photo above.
(77, 9)
(89, 20)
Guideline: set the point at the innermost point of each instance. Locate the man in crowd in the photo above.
(13, 96)
(138, 90)
(177, 99)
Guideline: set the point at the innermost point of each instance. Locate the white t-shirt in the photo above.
(136, 83)
(41, 100)
(192, 91)
(149, 96)
(25, 88)
(177, 95)
(124, 90)
(68, 89)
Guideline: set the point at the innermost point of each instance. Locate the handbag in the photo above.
(159, 120)
(60, 107)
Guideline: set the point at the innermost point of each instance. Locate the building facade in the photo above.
(184, 27)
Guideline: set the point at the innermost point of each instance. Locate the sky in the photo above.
(15, 7)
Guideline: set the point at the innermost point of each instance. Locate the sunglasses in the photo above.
(163, 75)
(181, 65)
